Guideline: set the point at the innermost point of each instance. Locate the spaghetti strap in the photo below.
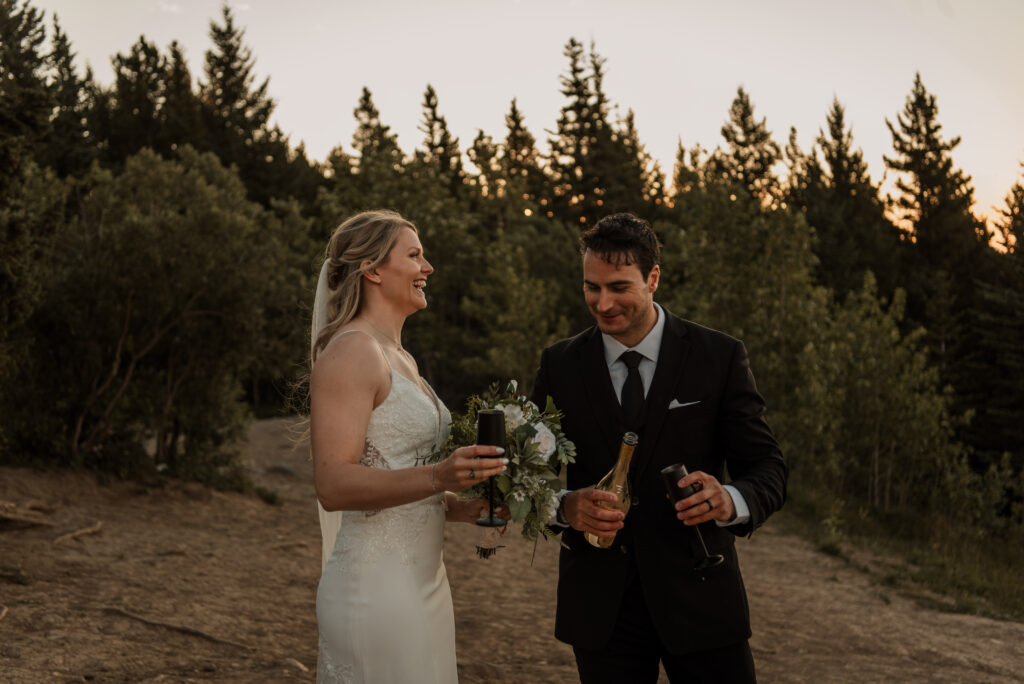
(381, 348)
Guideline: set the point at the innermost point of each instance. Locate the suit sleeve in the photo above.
(751, 452)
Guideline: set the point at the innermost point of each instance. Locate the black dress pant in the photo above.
(634, 650)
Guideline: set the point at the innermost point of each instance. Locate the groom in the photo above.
(690, 396)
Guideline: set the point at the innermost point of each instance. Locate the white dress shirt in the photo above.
(648, 348)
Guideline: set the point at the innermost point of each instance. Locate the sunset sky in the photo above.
(676, 63)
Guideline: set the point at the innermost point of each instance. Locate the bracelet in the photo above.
(433, 483)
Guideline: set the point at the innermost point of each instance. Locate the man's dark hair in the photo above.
(623, 240)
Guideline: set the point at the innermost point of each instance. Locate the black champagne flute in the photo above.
(672, 475)
(490, 431)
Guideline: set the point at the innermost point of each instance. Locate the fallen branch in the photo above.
(3, 612)
(287, 545)
(179, 628)
(39, 506)
(295, 663)
(19, 515)
(79, 533)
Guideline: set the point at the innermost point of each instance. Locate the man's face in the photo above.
(619, 297)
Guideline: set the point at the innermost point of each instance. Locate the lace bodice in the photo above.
(404, 429)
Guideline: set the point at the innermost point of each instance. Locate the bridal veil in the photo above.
(330, 521)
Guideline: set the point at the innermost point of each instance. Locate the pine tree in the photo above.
(832, 186)
(687, 172)
(69, 149)
(750, 158)
(520, 160)
(489, 179)
(645, 168)
(594, 168)
(31, 198)
(441, 147)
(237, 111)
(949, 250)
(997, 349)
(572, 141)
(935, 204)
(237, 114)
(1011, 224)
(181, 118)
(26, 100)
(936, 197)
(514, 212)
(133, 115)
(379, 159)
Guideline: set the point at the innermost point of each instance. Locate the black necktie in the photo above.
(633, 390)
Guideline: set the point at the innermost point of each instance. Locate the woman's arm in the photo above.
(349, 379)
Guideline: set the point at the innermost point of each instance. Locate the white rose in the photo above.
(513, 416)
(544, 440)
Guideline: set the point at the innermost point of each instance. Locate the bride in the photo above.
(383, 606)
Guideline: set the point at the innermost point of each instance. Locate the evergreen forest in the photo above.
(161, 239)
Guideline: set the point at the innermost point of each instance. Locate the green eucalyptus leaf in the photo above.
(519, 509)
(525, 432)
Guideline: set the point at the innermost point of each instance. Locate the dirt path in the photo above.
(185, 584)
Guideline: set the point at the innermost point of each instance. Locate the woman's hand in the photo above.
(472, 510)
(464, 468)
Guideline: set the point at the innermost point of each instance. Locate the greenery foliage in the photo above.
(160, 238)
(537, 451)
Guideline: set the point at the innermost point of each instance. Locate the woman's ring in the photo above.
(472, 474)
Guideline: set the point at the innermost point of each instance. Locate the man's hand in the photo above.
(584, 514)
(709, 502)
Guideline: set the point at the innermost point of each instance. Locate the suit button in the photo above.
(623, 549)
(636, 501)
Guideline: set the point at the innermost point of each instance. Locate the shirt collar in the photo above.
(648, 347)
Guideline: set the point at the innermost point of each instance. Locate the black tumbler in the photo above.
(490, 431)
(672, 475)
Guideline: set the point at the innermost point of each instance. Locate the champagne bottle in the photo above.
(616, 482)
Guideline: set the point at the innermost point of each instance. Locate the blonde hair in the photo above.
(369, 235)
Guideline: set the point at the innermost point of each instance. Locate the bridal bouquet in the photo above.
(536, 450)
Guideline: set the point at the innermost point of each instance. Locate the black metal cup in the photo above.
(490, 427)
(672, 475)
(490, 431)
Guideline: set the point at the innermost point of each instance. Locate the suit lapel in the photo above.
(601, 394)
(671, 358)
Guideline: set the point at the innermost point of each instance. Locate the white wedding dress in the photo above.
(383, 606)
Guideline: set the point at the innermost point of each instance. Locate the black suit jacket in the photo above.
(692, 610)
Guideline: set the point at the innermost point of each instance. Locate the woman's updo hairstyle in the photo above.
(369, 235)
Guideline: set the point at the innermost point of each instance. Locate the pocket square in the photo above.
(674, 404)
